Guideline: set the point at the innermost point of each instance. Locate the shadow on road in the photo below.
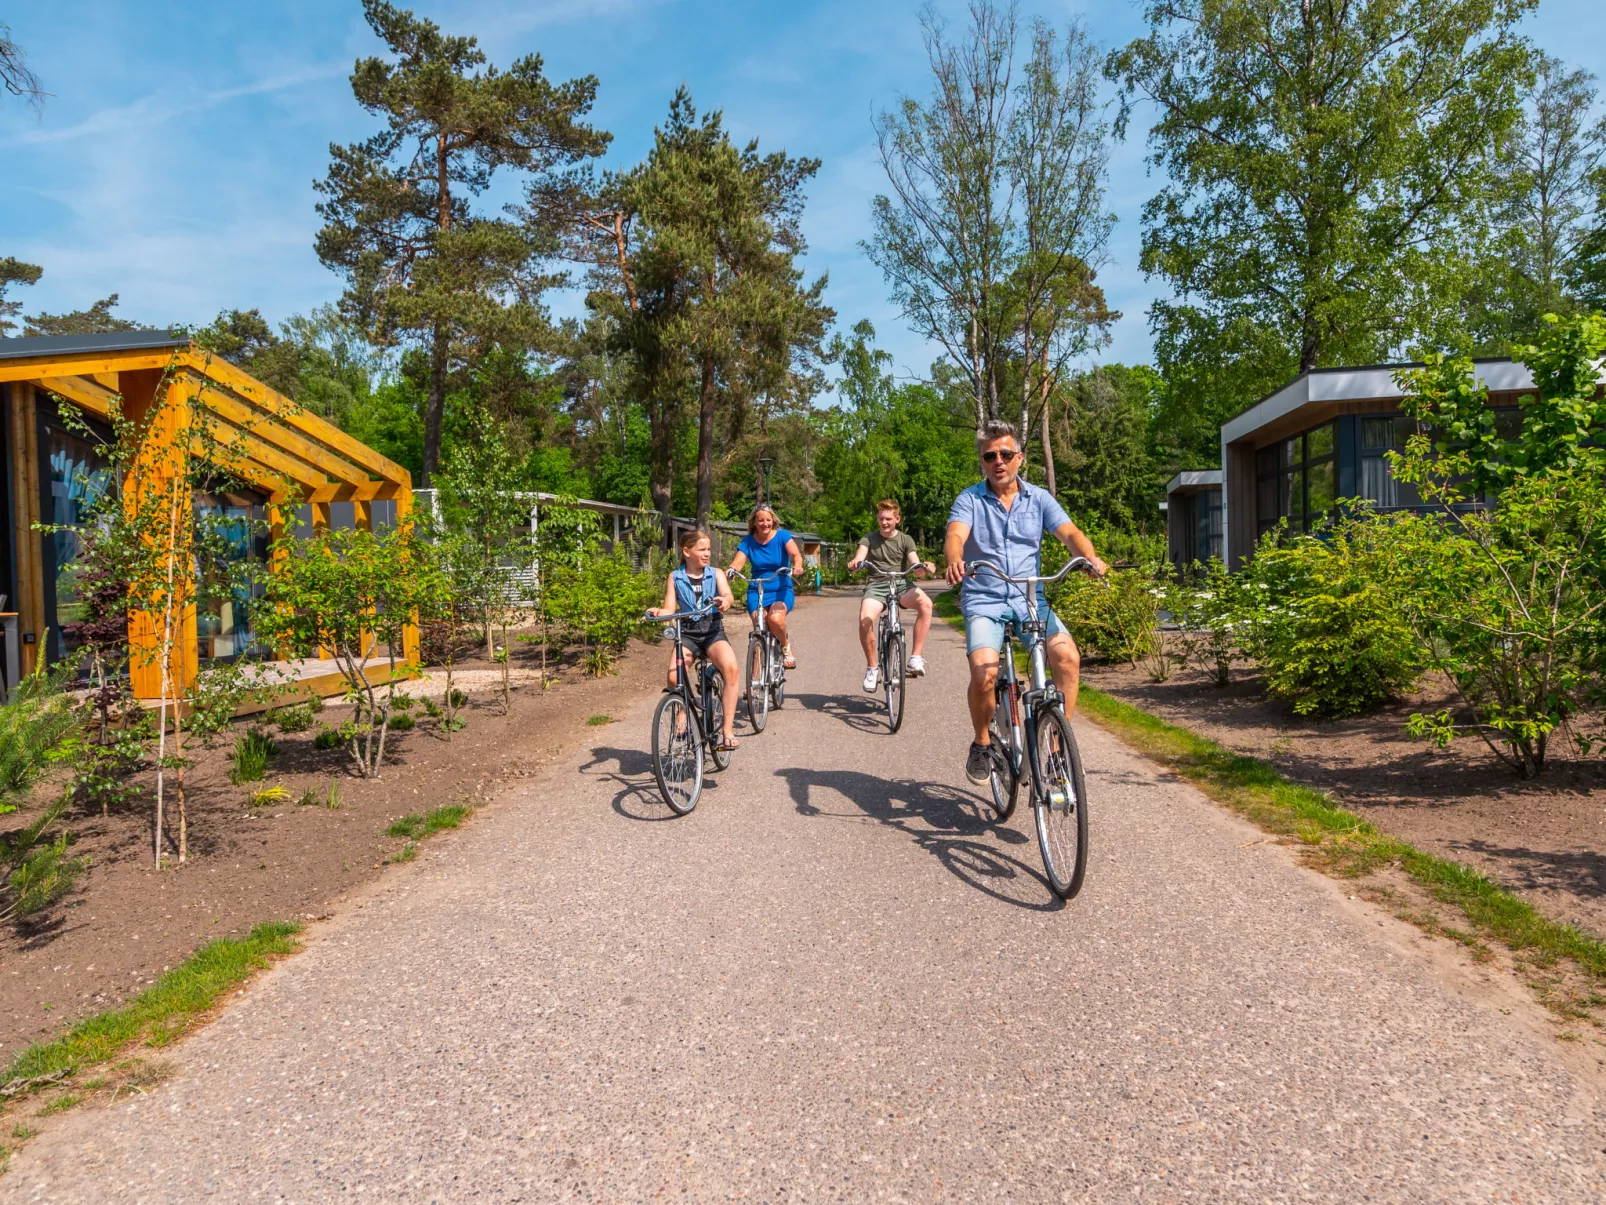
(940, 820)
(638, 797)
(862, 713)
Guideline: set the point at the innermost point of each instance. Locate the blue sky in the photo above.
(174, 162)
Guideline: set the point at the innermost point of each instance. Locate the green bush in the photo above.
(250, 758)
(1328, 636)
(402, 721)
(327, 738)
(1210, 607)
(297, 717)
(1117, 618)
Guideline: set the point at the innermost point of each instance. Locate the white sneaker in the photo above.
(872, 679)
(917, 666)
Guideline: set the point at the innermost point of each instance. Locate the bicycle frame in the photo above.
(762, 613)
(700, 702)
(1025, 706)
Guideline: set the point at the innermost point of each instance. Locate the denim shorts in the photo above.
(984, 632)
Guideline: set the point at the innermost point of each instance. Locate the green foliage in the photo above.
(177, 1000)
(602, 602)
(249, 761)
(1106, 468)
(217, 693)
(1116, 618)
(1211, 608)
(418, 826)
(349, 591)
(420, 263)
(327, 738)
(296, 717)
(402, 721)
(1325, 163)
(1507, 600)
(1329, 637)
(38, 730)
(911, 442)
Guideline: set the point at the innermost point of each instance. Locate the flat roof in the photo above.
(73, 345)
(1368, 383)
(1194, 479)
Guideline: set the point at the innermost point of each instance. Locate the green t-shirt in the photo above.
(891, 556)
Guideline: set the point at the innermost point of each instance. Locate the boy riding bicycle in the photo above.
(891, 551)
(1002, 519)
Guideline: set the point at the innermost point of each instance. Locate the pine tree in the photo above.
(420, 263)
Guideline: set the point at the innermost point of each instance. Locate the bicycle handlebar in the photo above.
(786, 569)
(1076, 562)
(902, 573)
(697, 614)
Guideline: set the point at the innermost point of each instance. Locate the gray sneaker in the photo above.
(979, 765)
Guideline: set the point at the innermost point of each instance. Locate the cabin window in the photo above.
(1297, 479)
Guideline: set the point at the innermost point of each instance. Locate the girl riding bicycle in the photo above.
(692, 586)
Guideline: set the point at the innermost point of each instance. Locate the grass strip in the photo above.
(415, 826)
(1338, 841)
(166, 1009)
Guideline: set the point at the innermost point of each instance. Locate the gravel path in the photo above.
(836, 982)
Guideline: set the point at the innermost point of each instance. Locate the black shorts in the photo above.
(703, 636)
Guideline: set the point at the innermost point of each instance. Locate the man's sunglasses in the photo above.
(1006, 456)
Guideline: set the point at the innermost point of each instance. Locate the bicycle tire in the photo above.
(1003, 780)
(894, 678)
(677, 753)
(778, 669)
(758, 678)
(1059, 796)
(714, 714)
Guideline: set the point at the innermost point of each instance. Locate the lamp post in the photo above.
(764, 465)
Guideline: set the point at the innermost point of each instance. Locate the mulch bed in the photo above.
(127, 923)
(1542, 839)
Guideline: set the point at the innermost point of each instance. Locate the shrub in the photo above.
(402, 721)
(1117, 618)
(297, 717)
(327, 738)
(1330, 639)
(250, 758)
(1210, 605)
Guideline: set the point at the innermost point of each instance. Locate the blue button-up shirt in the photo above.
(1011, 539)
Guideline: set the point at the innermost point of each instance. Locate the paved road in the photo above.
(836, 982)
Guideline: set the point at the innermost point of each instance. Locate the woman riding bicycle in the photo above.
(691, 587)
(767, 547)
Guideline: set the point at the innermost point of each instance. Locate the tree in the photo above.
(14, 272)
(98, 319)
(997, 203)
(420, 264)
(705, 238)
(1541, 206)
(1317, 154)
(15, 74)
(1111, 477)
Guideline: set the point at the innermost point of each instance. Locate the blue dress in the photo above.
(765, 559)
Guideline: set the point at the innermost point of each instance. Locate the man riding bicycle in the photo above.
(1002, 519)
(890, 551)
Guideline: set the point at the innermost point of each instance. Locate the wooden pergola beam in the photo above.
(31, 368)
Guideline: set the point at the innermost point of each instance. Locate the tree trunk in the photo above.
(705, 441)
(178, 782)
(437, 405)
(1044, 416)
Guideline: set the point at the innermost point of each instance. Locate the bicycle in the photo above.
(687, 721)
(891, 653)
(1030, 735)
(765, 687)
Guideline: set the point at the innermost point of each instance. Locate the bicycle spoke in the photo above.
(1060, 799)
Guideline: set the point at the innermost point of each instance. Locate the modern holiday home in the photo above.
(183, 403)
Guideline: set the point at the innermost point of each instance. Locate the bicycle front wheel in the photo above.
(758, 682)
(1059, 795)
(677, 753)
(894, 677)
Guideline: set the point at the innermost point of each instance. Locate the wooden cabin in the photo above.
(284, 456)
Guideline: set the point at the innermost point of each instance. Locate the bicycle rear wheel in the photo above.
(677, 753)
(778, 670)
(758, 682)
(894, 676)
(1059, 796)
(714, 721)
